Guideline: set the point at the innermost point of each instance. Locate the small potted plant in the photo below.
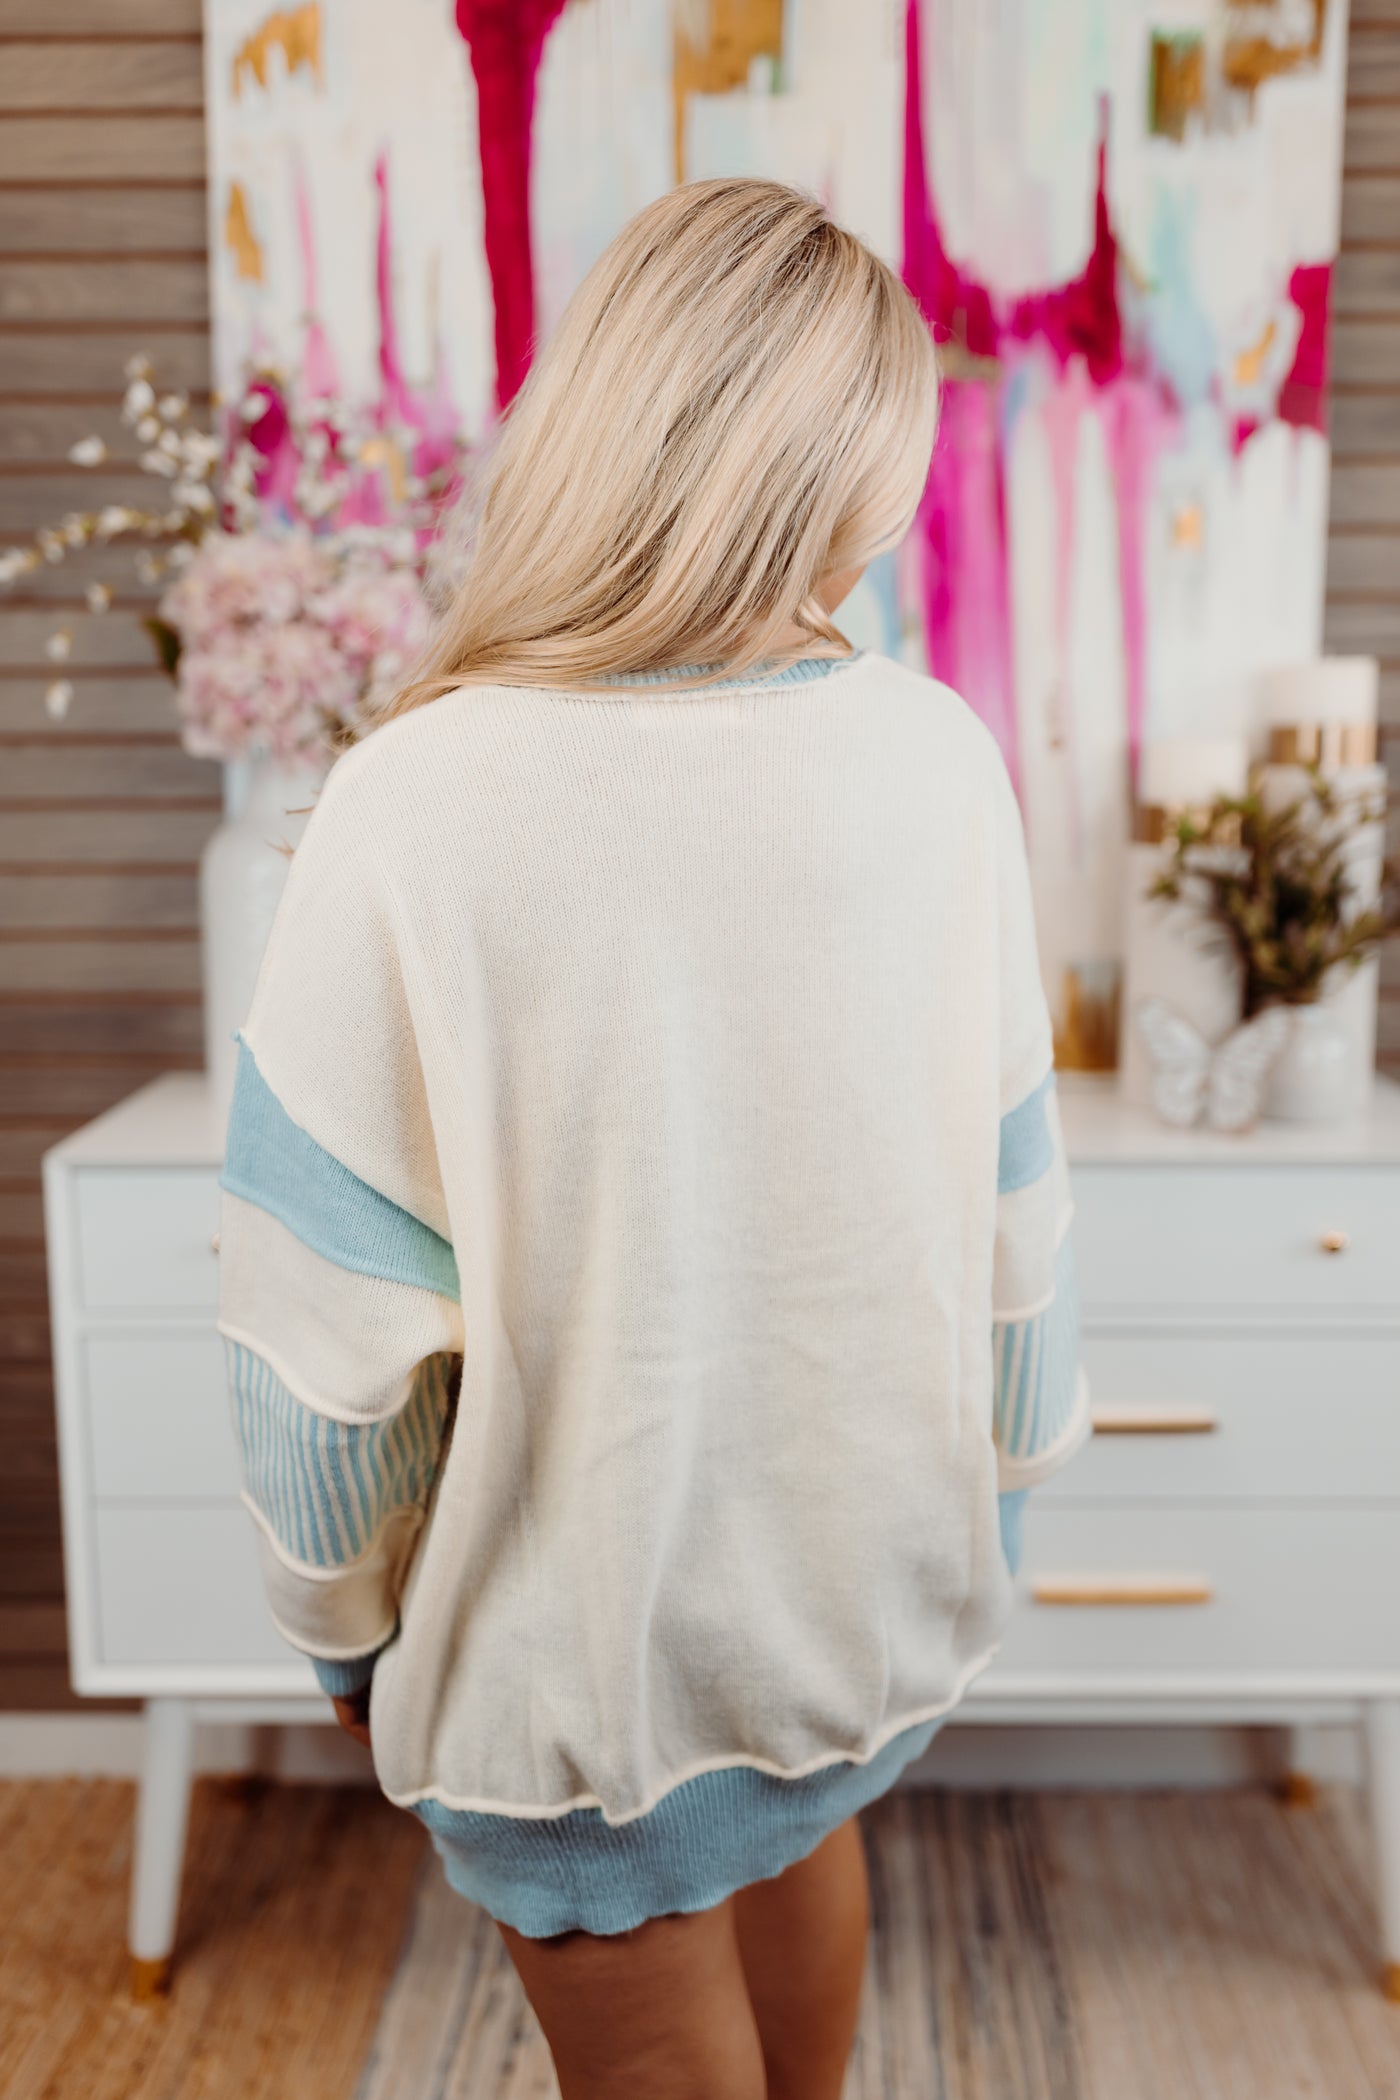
(1278, 885)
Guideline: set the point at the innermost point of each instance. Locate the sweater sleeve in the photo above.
(339, 1301)
(1040, 1395)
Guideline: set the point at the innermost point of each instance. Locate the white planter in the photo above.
(241, 874)
(1170, 952)
(1313, 1079)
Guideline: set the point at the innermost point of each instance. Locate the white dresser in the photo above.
(1227, 1548)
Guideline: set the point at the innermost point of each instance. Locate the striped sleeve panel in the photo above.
(342, 1324)
(326, 1489)
(1040, 1404)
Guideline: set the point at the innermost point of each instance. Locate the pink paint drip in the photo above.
(432, 417)
(319, 370)
(1302, 394)
(1060, 419)
(1135, 424)
(1080, 324)
(1081, 319)
(961, 525)
(1302, 398)
(961, 522)
(270, 436)
(397, 404)
(505, 40)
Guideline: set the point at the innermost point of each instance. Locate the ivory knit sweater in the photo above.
(644, 1235)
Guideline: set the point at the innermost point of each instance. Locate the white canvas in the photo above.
(1112, 543)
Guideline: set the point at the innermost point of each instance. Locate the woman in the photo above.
(644, 1237)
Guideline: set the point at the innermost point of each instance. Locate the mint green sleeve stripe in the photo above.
(272, 1162)
(1035, 1368)
(327, 1488)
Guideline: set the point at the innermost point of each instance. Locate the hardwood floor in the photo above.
(294, 1905)
(1109, 1946)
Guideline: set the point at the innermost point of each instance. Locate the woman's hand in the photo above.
(353, 1715)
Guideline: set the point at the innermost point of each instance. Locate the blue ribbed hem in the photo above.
(705, 1839)
(341, 1680)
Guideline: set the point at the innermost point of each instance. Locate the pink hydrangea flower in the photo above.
(286, 638)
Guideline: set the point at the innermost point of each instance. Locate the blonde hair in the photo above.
(739, 401)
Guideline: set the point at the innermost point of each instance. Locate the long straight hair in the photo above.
(739, 401)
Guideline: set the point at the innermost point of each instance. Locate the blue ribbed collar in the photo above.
(801, 673)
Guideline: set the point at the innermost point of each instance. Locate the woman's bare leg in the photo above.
(661, 2013)
(802, 1941)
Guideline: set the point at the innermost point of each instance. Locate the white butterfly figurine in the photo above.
(1227, 1079)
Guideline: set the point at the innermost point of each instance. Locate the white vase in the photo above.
(1313, 1078)
(241, 874)
(1352, 995)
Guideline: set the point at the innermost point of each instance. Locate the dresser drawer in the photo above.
(158, 1414)
(1289, 1590)
(1309, 1417)
(1238, 1238)
(182, 1586)
(146, 1238)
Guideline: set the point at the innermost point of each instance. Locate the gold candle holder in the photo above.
(1327, 744)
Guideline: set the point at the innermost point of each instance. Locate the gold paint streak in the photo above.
(1178, 82)
(383, 452)
(1250, 363)
(1087, 1038)
(956, 361)
(1247, 61)
(295, 32)
(241, 239)
(718, 57)
(1188, 525)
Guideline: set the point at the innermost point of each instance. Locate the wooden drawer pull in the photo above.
(1122, 1589)
(1335, 1242)
(1154, 1421)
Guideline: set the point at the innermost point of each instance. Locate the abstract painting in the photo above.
(1118, 218)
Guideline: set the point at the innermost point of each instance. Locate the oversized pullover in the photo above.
(644, 1241)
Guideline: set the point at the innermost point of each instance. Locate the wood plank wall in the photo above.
(102, 254)
(1363, 556)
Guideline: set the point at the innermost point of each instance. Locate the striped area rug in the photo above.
(1173, 1946)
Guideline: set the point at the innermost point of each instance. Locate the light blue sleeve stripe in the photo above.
(1036, 1368)
(1027, 1148)
(1011, 1509)
(327, 1488)
(274, 1163)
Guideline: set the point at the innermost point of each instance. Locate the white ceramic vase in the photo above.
(241, 874)
(1313, 1078)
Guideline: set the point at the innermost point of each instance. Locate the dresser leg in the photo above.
(1383, 1774)
(162, 1812)
(1296, 1786)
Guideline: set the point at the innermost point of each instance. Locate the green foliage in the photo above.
(1276, 886)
